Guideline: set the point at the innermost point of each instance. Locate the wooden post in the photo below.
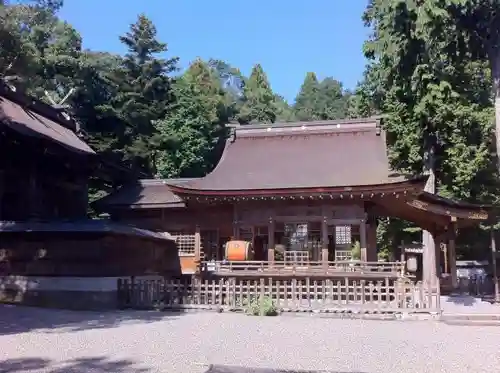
(452, 254)
(270, 241)
(429, 272)
(371, 241)
(1, 192)
(362, 233)
(236, 225)
(197, 248)
(324, 241)
(494, 264)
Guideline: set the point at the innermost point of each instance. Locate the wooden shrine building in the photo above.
(301, 193)
(44, 229)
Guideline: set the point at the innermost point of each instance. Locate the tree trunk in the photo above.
(495, 71)
(429, 256)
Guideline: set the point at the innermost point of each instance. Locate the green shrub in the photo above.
(261, 307)
(356, 251)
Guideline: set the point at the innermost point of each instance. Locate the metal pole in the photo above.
(494, 264)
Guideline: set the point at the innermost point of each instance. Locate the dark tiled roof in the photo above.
(301, 155)
(29, 117)
(90, 226)
(152, 193)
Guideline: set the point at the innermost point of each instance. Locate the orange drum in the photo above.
(238, 251)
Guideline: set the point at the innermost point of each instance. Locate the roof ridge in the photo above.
(328, 126)
(165, 181)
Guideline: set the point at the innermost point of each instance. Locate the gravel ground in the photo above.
(36, 340)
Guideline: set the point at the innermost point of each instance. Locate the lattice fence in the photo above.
(294, 295)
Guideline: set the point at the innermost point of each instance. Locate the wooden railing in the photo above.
(302, 267)
(290, 295)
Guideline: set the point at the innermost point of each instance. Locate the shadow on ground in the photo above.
(469, 301)
(83, 365)
(20, 319)
(236, 369)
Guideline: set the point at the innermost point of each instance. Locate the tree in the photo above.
(435, 101)
(38, 51)
(284, 113)
(195, 126)
(428, 98)
(143, 93)
(258, 99)
(332, 100)
(233, 83)
(475, 35)
(307, 101)
(369, 94)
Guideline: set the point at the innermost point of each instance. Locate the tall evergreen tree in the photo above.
(143, 93)
(233, 83)
(428, 98)
(307, 101)
(437, 108)
(195, 125)
(284, 112)
(258, 99)
(333, 100)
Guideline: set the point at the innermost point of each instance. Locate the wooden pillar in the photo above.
(371, 242)
(236, 224)
(494, 264)
(197, 247)
(324, 241)
(1, 191)
(452, 254)
(270, 241)
(362, 234)
(429, 273)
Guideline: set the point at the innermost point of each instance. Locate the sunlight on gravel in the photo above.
(61, 341)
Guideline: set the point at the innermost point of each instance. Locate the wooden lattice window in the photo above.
(343, 235)
(185, 243)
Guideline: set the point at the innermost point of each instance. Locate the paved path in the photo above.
(35, 340)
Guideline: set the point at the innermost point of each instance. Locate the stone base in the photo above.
(75, 293)
(73, 300)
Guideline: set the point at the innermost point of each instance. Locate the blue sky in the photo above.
(288, 38)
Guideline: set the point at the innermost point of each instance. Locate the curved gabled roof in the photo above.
(30, 117)
(299, 156)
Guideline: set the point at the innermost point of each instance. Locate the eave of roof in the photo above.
(143, 194)
(410, 185)
(448, 207)
(80, 226)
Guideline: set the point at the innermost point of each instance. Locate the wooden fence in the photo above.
(291, 295)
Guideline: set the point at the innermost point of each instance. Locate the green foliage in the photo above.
(307, 101)
(261, 306)
(323, 100)
(147, 100)
(356, 251)
(333, 100)
(259, 103)
(195, 124)
(435, 95)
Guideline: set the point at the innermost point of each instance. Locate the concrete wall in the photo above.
(79, 293)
